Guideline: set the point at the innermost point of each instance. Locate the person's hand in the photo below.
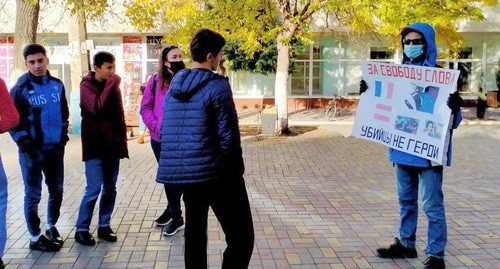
(114, 79)
(26, 144)
(454, 102)
(362, 86)
(64, 140)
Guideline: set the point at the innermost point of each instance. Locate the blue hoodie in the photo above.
(428, 58)
(430, 49)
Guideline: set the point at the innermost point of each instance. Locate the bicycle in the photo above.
(331, 109)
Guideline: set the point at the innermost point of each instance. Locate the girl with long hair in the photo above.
(169, 63)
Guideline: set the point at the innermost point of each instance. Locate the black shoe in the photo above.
(54, 236)
(2, 266)
(396, 250)
(434, 263)
(173, 227)
(44, 244)
(164, 219)
(107, 234)
(84, 238)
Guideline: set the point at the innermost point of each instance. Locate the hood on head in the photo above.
(430, 49)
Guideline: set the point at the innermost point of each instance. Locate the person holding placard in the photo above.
(414, 172)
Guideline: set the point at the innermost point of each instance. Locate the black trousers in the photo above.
(229, 200)
(172, 192)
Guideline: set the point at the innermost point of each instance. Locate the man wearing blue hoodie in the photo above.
(201, 153)
(419, 48)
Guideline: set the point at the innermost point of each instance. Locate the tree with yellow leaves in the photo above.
(258, 21)
(27, 12)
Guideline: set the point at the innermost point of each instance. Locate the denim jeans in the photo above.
(142, 125)
(229, 201)
(50, 162)
(173, 193)
(3, 208)
(430, 181)
(100, 173)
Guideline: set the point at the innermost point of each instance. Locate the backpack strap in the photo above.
(153, 89)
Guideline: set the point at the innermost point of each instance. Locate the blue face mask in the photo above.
(413, 51)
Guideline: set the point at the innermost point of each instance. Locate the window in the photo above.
(154, 48)
(378, 53)
(466, 69)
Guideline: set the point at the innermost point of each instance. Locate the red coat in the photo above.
(9, 118)
(103, 122)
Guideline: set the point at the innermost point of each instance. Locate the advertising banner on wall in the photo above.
(405, 108)
(132, 48)
(132, 61)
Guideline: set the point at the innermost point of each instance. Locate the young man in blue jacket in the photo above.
(41, 136)
(201, 152)
(412, 172)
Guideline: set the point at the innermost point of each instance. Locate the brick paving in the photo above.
(319, 200)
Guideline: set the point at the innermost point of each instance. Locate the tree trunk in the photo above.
(281, 82)
(25, 33)
(77, 35)
(281, 85)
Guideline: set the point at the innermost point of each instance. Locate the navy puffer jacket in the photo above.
(200, 138)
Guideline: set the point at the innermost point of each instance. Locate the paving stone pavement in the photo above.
(319, 200)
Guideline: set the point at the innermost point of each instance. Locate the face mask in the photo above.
(413, 51)
(177, 66)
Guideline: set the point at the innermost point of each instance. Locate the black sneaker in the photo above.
(44, 244)
(164, 219)
(54, 236)
(84, 238)
(434, 263)
(2, 265)
(396, 250)
(173, 227)
(107, 234)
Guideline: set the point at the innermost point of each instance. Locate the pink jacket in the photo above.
(152, 107)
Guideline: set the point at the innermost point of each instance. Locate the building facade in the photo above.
(332, 66)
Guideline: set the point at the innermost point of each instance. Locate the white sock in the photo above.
(35, 238)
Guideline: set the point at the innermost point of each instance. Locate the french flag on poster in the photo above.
(383, 111)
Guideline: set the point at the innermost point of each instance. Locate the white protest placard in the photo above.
(405, 108)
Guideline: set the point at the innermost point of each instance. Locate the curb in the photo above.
(480, 122)
(318, 123)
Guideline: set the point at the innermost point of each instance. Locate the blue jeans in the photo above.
(50, 162)
(430, 181)
(142, 125)
(100, 173)
(173, 193)
(3, 208)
